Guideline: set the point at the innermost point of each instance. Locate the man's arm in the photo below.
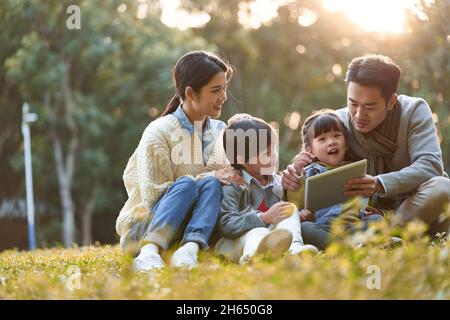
(424, 152)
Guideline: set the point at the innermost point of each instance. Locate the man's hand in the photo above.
(363, 186)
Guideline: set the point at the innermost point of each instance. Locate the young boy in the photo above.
(253, 217)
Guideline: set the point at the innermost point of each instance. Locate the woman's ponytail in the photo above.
(172, 105)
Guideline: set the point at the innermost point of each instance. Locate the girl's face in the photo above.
(212, 96)
(329, 147)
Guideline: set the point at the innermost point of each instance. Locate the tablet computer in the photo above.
(327, 189)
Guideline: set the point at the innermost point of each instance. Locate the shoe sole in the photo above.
(277, 241)
(308, 249)
(141, 269)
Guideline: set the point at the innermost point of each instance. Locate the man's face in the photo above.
(367, 107)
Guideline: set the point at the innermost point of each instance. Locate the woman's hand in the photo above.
(307, 215)
(363, 186)
(229, 174)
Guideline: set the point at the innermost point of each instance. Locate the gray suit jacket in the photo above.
(418, 156)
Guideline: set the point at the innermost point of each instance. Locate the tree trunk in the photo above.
(3, 137)
(65, 162)
(87, 216)
(64, 182)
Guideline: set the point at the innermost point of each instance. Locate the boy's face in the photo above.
(264, 163)
(329, 147)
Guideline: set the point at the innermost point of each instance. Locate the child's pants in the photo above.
(247, 244)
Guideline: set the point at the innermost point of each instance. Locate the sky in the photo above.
(370, 15)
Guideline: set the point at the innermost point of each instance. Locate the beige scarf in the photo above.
(381, 142)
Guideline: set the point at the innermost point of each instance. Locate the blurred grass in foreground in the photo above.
(417, 270)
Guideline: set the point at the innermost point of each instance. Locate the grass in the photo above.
(417, 270)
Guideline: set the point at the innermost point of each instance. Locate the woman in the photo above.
(173, 179)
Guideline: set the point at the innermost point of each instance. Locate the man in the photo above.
(398, 137)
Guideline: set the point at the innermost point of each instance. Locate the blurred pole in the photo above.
(27, 118)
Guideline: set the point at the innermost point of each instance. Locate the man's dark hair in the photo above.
(377, 71)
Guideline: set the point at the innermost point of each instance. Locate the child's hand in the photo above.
(307, 215)
(302, 160)
(227, 175)
(278, 212)
(368, 211)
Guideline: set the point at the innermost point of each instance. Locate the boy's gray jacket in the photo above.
(418, 156)
(238, 213)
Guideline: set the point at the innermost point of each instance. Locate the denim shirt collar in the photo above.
(186, 123)
(208, 135)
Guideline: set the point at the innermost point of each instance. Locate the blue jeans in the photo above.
(188, 210)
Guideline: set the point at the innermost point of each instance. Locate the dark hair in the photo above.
(322, 121)
(375, 70)
(244, 128)
(195, 69)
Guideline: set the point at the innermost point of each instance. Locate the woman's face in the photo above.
(212, 96)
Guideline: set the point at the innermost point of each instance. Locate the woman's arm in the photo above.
(154, 169)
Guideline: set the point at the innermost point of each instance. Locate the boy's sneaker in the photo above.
(277, 241)
(298, 248)
(185, 257)
(147, 261)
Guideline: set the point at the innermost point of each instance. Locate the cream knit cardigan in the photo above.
(156, 164)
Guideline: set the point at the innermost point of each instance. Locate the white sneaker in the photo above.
(147, 261)
(298, 248)
(244, 259)
(185, 257)
(277, 241)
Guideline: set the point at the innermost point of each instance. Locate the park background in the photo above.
(96, 88)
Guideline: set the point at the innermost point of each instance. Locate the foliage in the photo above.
(119, 77)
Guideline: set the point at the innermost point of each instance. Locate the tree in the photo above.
(93, 89)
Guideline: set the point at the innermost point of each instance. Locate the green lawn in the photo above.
(417, 270)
